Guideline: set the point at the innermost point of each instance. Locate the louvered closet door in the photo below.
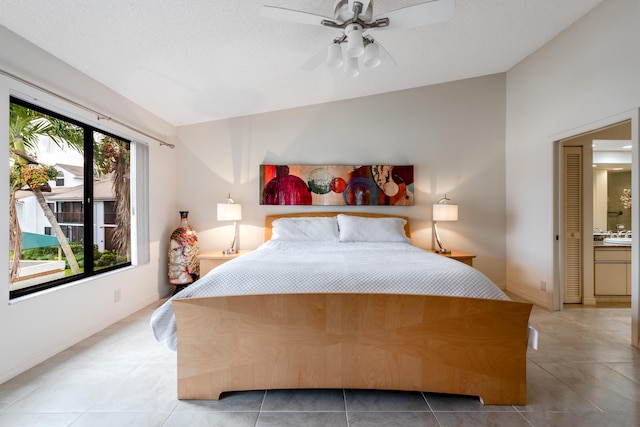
(572, 220)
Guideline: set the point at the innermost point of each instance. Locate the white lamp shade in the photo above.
(444, 212)
(229, 212)
(355, 46)
(351, 67)
(371, 58)
(334, 55)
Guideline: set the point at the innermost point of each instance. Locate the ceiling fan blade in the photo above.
(317, 59)
(386, 59)
(294, 16)
(428, 13)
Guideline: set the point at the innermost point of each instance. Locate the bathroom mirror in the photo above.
(612, 185)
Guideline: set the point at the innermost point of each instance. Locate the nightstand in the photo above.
(211, 259)
(463, 257)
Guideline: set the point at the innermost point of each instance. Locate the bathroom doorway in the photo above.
(595, 206)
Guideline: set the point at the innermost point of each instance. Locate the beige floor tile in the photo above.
(630, 370)
(306, 419)
(38, 420)
(607, 389)
(121, 419)
(212, 419)
(584, 419)
(392, 419)
(547, 393)
(151, 387)
(475, 419)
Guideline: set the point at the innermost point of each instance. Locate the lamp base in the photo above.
(443, 251)
(232, 248)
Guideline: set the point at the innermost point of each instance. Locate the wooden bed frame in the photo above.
(428, 343)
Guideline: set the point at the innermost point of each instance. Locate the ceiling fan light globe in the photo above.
(334, 56)
(351, 67)
(355, 43)
(371, 56)
(355, 46)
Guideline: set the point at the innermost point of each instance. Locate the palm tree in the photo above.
(25, 127)
(111, 156)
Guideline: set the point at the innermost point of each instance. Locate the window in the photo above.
(70, 209)
(69, 212)
(110, 212)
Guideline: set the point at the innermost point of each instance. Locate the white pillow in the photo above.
(307, 229)
(365, 229)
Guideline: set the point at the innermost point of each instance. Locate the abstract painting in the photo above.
(334, 185)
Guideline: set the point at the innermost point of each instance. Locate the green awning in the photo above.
(33, 240)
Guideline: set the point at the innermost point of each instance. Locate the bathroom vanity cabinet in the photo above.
(612, 270)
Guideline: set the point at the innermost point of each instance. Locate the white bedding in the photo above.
(278, 267)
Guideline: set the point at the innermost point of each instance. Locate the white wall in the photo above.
(452, 133)
(40, 326)
(587, 75)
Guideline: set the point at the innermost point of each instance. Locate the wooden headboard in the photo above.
(268, 220)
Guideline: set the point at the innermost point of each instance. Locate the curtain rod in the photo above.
(99, 115)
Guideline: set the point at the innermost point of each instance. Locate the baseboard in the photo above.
(534, 299)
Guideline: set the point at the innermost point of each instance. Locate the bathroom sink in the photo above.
(621, 241)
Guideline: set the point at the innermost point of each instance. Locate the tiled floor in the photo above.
(584, 374)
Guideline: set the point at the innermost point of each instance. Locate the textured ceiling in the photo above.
(189, 61)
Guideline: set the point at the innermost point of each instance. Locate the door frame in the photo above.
(557, 142)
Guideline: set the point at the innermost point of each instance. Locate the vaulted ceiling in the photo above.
(189, 61)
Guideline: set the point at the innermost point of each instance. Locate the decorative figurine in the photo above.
(184, 265)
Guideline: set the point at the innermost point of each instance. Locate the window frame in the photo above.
(88, 204)
(60, 179)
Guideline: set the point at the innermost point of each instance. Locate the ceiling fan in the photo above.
(355, 18)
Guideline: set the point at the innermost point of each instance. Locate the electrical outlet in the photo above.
(116, 295)
(543, 285)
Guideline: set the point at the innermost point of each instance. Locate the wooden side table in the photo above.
(463, 257)
(211, 259)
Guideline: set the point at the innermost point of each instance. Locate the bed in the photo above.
(356, 308)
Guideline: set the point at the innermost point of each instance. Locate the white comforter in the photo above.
(323, 267)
